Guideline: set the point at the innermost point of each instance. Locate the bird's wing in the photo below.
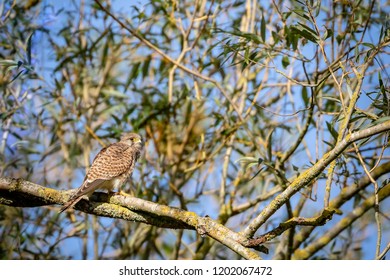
(84, 189)
(110, 162)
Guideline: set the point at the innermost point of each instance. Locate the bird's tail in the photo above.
(72, 202)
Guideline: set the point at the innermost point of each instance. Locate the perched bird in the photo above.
(110, 168)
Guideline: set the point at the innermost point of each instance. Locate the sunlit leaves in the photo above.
(248, 162)
(305, 32)
(285, 61)
(263, 28)
(21, 67)
(28, 48)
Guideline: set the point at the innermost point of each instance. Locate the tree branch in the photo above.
(21, 193)
(319, 220)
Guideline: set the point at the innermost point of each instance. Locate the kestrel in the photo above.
(110, 168)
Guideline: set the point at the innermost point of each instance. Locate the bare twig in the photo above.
(376, 204)
(295, 221)
(383, 254)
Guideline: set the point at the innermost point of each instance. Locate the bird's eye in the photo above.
(131, 139)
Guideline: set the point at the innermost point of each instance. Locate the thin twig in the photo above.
(382, 255)
(376, 205)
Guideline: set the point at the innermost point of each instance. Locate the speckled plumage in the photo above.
(110, 168)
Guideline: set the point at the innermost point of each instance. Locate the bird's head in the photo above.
(132, 139)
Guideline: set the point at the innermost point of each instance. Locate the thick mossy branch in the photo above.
(21, 193)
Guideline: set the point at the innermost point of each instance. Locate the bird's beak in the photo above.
(138, 140)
